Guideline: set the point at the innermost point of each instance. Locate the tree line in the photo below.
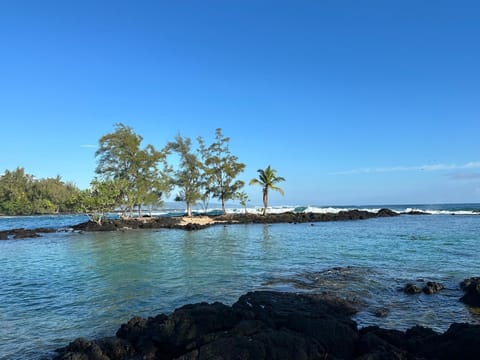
(130, 178)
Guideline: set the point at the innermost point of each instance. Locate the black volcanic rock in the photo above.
(22, 233)
(267, 325)
(174, 222)
(386, 213)
(272, 325)
(432, 287)
(411, 289)
(471, 287)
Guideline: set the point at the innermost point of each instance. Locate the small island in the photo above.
(201, 222)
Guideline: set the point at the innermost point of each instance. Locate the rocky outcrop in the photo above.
(24, 233)
(291, 217)
(411, 289)
(471, 287)
(416, 212)
(177, 223)
(272, 325)
(431, 287)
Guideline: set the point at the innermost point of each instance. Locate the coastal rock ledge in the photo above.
(272, 325)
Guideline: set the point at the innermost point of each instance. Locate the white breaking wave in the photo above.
(313, 209)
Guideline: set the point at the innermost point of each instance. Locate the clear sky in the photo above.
(353, 102)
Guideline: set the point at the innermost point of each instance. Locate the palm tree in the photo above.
(267, 179)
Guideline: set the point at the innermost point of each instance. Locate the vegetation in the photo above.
(243, 199)
(130, 177)
(22, 194)
(221, 169)
(100, 198)
(133, 171)
(267, 179)
(190, 177)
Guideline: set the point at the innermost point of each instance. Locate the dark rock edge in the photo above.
(272, 325)
(164, 222)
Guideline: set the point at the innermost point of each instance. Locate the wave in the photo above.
(400, 209)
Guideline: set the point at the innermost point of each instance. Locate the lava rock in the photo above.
(471, 287)
(381, 312)
(271, 325)
(411, 289)
(432, 287)
(386, 213)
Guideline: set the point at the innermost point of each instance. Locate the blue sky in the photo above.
(353, 102)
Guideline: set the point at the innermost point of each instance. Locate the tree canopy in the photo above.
(22, 194)
(131, 176)
(221, 169)
(190, 175)
(135, 171)
(267, 179)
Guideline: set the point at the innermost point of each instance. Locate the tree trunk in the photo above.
(189, 209)
(139, 211)
(265, 200)
(223, 206)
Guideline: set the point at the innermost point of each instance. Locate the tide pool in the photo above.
(65, 285)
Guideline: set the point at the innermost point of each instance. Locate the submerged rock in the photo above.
(381, 312)
(432, 287)
(22, 233)
(411, 289)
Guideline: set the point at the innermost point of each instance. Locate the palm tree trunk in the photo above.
(265, 200)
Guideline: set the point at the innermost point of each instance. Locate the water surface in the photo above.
(66, 285)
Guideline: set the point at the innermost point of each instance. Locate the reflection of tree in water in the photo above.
(266, 232)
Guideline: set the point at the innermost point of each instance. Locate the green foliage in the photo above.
(267, 179)
(130, 176)
(243, 199)
(189, 177)
(221, 169)
(22, 194)
(135, 171)
(102, 196)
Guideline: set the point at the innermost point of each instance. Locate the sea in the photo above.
(69, 284)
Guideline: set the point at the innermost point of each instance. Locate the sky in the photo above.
(352, 102)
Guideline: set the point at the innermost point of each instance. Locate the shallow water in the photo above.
(66, 285)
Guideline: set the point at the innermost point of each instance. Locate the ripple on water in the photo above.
(66, 285)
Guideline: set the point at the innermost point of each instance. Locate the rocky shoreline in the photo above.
(198, 223)
(272, 325)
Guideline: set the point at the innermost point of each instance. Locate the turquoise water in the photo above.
(66, 285)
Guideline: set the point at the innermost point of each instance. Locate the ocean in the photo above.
(67, 284)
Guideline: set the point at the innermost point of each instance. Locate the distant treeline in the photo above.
(22, 194)
(131, 178)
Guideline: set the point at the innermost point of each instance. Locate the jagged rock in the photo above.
(412, 289)
(386, 213)
(432, 287)
(271, 325)
(471, 287)
(266, 325)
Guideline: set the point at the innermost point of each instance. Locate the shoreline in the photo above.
(201, 222)
(272, 325)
